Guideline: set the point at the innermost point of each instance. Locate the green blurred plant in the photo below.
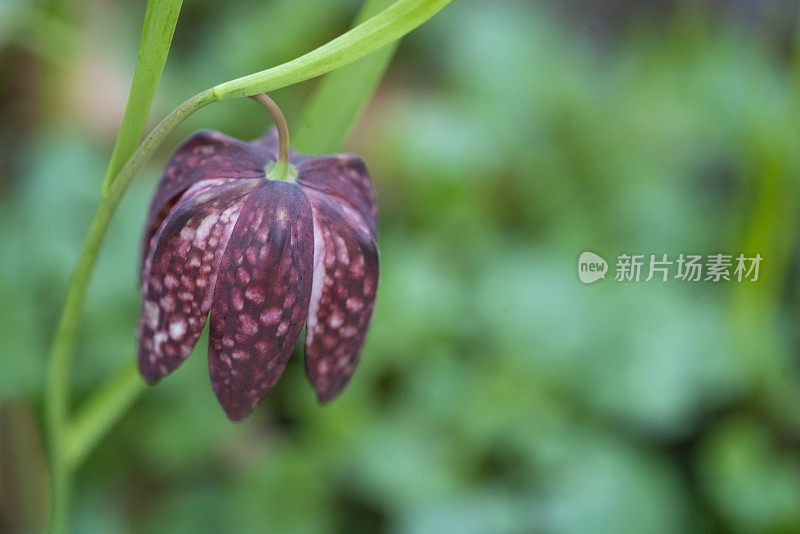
(71, 440)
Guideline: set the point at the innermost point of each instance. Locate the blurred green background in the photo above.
(496, 392)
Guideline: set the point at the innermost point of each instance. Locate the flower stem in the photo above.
(57, 394)
(389, 25)
(57, 387)
(281, 168)
(340, 98)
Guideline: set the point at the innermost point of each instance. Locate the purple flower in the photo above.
(264, 257)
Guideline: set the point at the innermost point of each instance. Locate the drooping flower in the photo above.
(264, 257)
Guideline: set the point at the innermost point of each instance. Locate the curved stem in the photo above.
(154, 139)
(341, 97)
(57, 395)
(57, 387)
(281, 168)
(389, 25)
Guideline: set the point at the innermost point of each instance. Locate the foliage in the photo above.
(496, 393)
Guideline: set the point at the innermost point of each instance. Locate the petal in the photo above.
(267, 145)
(261, 299)
(345, 178)
(194, 191)
(342, 297)
(181, 272)
(205, 155)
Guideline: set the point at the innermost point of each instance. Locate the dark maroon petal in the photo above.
(195, 190)
(268, 144)
(345, 178)
(181, 271)
(261, 299)
(342, 297)
(205, 155)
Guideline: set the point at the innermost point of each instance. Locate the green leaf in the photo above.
(341, 97)
(159, 26)
(102, 410)
(387, 26)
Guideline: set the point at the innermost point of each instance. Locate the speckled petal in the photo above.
(261, 299)
(345, 179)
(342, 297)
(205, 155)
(181, 271)
(199, 188)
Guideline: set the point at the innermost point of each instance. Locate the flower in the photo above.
(264, 257)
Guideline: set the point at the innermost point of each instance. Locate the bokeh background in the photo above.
(496, 392)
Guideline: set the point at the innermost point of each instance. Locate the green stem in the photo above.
(279, 171)
(341, 97)
(57, 388)
(387, 26)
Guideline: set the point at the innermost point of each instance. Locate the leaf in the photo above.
(342, 95)
(159, 26)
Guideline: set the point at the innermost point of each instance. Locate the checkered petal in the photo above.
(205, 155)
(181, 270)
(345, 179)
(342, 297)
(260, 302)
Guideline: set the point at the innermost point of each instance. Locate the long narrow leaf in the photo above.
(340, 98)
(160, 19)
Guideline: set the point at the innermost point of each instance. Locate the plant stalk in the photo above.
(57, 393)
(281, 168)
